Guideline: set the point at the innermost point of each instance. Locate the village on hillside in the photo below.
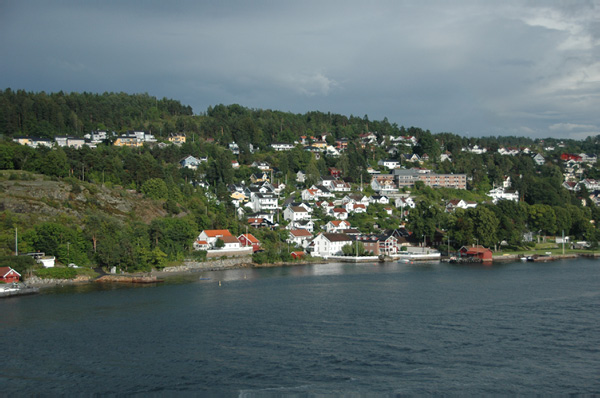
(317, 216)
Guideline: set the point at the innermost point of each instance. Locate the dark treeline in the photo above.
(48, 115)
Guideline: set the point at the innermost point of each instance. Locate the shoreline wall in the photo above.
(214, 265)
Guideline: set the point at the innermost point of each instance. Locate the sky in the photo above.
(474, 68)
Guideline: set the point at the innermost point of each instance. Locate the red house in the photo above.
(479, 252)
(297, 255)
(249, 240)
(9, 275)
(335, 172)
(569, 156)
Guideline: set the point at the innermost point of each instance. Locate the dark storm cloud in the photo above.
(473, 68)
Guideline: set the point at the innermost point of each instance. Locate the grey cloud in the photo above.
(473, 68)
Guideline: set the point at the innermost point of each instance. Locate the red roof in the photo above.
(229, 239)
(7, 270)
(249, 237)
(300, 232)
(213, 233)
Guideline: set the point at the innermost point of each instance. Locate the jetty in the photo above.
(18, 290)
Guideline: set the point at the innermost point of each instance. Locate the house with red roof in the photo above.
(337, 225)
(299, 237)
(209, 237)
(9, 275)
(247, 240)
(480, 252)
(339, 213)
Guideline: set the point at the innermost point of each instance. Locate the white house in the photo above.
(591, 185)
(190, 162)
(539, 159)
(460, 204)
(381, 199)
(282, 146)
(340, 186)
(383, 184)
(208, 237)
(299, 237)
(339, 213)
(388, 163)
(446, 156)
(264, 201)
(407, 202)
(356, 208)
(296, 213)
(308, 225)
(264, 166)
(231, 242)
(501, 193)
(328, 244)
(337, 225)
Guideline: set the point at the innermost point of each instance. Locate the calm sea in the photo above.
(332, 329)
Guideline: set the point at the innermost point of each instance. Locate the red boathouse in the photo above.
(480, 252)
(9, 275)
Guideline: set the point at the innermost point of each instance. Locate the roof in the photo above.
(7, 270)
(338, 210)
(202, 242)
(213, 233)
(251, 238)
(475, 249)
(300, 232)
(229, 239)
(298, 209)
(337, 223)
(336, 237)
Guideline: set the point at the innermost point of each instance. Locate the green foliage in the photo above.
(21, 264)
(155, 188)
(56, 273)
(355, 249)
(47, 115)
(173, 236)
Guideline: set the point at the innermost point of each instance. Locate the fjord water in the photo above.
(333, 329)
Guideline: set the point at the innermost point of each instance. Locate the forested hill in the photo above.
(47, 115)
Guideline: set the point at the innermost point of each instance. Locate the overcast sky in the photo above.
(474, 68)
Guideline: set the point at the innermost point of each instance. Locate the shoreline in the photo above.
(191, 267)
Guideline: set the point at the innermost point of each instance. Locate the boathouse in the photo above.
(479, 252)
(9, 275)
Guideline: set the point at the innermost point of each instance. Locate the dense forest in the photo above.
(199, 199)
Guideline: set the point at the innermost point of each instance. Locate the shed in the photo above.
(297, 255)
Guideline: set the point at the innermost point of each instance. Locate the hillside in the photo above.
(40, 198)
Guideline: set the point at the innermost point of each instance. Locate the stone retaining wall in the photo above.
(211, 265)
(37, 281)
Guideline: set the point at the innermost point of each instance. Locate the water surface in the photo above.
(335, 329)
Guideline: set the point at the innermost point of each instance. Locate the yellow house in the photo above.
(128, 141)
(239, 196)
(22, 140)
(320, 144)
(177, 138)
